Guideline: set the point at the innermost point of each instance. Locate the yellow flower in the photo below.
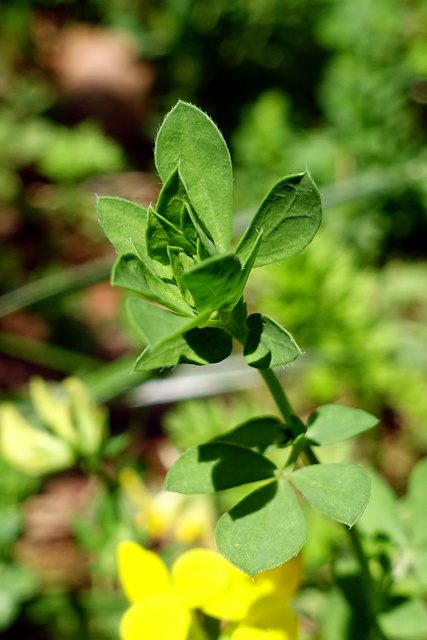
(163, 602)
(185, 519)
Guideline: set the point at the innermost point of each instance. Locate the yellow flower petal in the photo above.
(235, 600)
(283, 580)
(268, 619)
(159, 617)
(142, 573)
(198, 575)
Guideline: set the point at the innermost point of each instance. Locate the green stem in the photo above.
(369, 591)
(278, 394)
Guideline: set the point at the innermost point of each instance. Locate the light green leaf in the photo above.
(264, 530)
(216, 466)
(189, 139)
(123, 222)
(340, 490)
(198, 346)
(129, 272)
(156, 324)
(268, 344)
(260, 434)
(213, 282)
(333, 423)
(161, 234)
(416, 501)
(382, 513)
(288, 217)
(407, 621)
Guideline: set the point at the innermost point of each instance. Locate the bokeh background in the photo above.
(333, 85)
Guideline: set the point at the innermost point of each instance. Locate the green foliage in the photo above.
(186, 247)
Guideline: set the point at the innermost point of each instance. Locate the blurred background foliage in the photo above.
(337, 86)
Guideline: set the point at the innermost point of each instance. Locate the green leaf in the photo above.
(213, 282)
(123, 222)
(264, 530)
(161, 234)
(216, 466)
(189, 139)
(198, 346)
(260, 434)
(333, 423)
(340, 490)
(268, 344)
(382, 516)
(416, 502)
(288, 217)
(129, 272)
(156, 325)
(408, 621)
(172, 197)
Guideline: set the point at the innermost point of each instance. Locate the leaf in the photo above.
(216, 466)
(213, 282)
(129, 272)
(268, 344)
(198, 346)
(170, 202)
(157, 325)
(161, 234)
(340, 490)
(382, 516)
(259, 434)
(407, 621)
(264, 530)
(189, 139)
(333, 423)
(416, 502)
(123, 222)
(288, 217)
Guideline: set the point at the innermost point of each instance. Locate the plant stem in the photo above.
(369, 591)
(278, 394)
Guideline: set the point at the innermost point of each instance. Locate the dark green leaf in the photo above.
(333, 423)
(216, 466)
(213, 282)
(190, 140)
(198, 346)
(416, 501)
(129, 272)
(156, 325)
(265, 530)
(408, 621)
(161, 234)
(268, 344)
(259, 434)
(123, 222)
(170, 202)
(288, 217)
(340, 490)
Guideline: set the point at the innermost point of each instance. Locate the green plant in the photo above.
(178, 256)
